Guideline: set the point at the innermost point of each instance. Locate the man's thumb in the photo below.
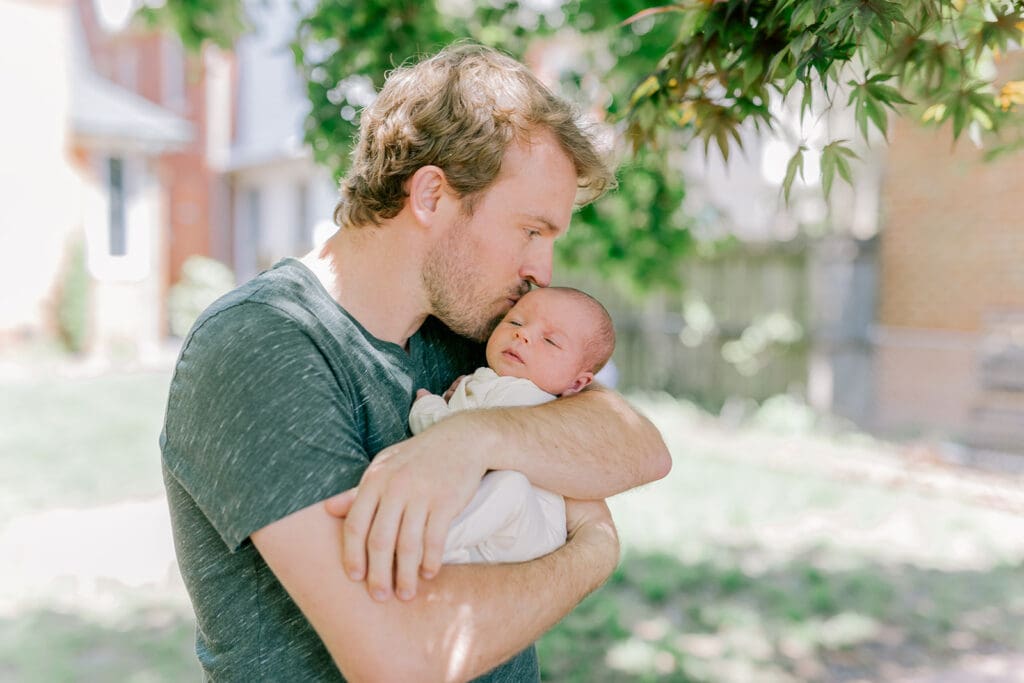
(340, 504)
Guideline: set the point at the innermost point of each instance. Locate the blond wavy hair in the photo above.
(458, 110)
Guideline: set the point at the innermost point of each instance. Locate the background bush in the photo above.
(73, 299)
(203, 280)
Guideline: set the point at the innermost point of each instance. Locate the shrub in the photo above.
(73, 299)
(203, 280)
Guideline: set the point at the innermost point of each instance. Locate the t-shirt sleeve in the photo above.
(258, 426)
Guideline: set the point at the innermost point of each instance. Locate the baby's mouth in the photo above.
(513, 355)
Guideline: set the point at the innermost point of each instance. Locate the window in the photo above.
(117, 230)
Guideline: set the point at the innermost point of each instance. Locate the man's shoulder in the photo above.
(281, 294)
(280, 309)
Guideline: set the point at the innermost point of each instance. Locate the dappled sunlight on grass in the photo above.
(85, 558)
(772, 552)
(146, 643)
(80, 442)
(737, 569)
(795, 623)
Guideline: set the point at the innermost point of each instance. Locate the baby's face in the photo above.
(543, 339)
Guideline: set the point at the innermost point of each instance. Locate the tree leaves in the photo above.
(999, 33)
(896, 54)
(973, 102)
(1011, 94)
(199, 21)
(795, 165)
(637, 234)
(671, 75)
(870, 99)
(835, 156)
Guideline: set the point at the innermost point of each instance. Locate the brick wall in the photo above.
(951, 256)
(953, 242)
(953, 246)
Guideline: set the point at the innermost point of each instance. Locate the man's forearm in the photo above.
(588, 447)
(492, 612)
(591, 445)
(463, 623)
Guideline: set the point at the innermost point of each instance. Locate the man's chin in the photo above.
(478, 332)
(482, 334)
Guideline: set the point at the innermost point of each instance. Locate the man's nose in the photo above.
(537, 268)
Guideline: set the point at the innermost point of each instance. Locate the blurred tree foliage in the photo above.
(73, 299)
(665, 76)
(203, 281)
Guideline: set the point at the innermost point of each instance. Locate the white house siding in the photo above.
(283, 227)
(126, 307)
(64, 125)
(269, 161)
(38, 195)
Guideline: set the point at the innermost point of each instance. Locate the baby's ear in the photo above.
(579, 384)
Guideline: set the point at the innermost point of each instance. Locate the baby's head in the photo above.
(556, 337)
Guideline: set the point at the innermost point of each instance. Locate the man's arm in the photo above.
(590, 445)
(586, 446)
(462, 624)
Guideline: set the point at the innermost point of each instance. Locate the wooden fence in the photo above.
(743, 325)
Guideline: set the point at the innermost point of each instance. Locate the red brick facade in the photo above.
(144, 61)
(951, 267)
(953, 241)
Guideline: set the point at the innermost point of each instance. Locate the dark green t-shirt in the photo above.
(280, 399)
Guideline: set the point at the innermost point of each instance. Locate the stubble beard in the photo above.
(451, 285)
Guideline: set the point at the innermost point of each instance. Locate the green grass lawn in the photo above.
(734, 569)
(80, 442)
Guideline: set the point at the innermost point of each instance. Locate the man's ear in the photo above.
(427, 186)
(579, 384)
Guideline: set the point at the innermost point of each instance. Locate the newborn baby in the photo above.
(550, 344)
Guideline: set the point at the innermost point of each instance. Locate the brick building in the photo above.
(951, 296)
(154, 65)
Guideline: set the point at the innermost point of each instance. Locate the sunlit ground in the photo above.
(775, 552)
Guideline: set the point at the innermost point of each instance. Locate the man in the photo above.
(466, 171)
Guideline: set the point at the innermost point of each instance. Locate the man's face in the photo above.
(485, 262)
(542, 339)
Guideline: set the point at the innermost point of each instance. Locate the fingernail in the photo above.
(380, 595)
(405, 594)
(427, 574)
(355, 574)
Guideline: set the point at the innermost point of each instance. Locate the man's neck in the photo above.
(374, 274)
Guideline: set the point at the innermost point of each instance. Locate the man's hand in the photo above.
(398, 517)
(462, 624)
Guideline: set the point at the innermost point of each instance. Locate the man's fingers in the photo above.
(409, 551)
(433, 543)
(380, 550)
(357, 523)
(340, 504)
